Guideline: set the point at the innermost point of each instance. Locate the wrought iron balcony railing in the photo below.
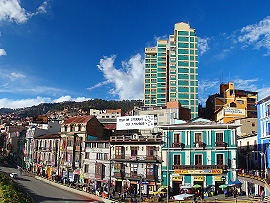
(129, 157)
(198, 167)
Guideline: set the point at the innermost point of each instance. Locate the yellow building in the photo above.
(171, 70)
(231, 104)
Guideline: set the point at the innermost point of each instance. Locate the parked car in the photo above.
(5, 163)
(13, 175)
(182, 196)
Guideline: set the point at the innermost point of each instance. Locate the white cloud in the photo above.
(68, 98)
(257, 35)
(206, 88)
(11, 10)
(264, 92)
(248, 84)
(13, 76)
(3, 52)
(42, 8)
(9, 103)
(98, 85)
(128, 81)
(222, 54)
(203, 45)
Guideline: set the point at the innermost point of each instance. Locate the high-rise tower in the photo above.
(171, 70)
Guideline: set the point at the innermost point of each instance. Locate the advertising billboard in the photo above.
(135, 122)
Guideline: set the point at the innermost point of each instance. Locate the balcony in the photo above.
(149, 138)
(138, 158)
(220, 144)
(150, 177)
(133, 176)
(198, 144)
(118, 174)
(189, 167)
(178, 145)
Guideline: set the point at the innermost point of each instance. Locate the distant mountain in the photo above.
(41, 109)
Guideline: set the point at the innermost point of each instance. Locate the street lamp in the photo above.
(263, 154)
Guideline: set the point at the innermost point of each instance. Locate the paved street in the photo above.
(43, 192)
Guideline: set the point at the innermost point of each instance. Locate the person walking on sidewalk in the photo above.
(262, 195)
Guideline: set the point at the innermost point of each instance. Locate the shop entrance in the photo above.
(217, 189)
(133, 188)
(176, 187)
(118, 186)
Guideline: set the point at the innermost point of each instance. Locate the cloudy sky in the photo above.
(53, 51)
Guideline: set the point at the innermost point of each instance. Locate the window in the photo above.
(98, 169)
(86, 155)
(134, 151)
(86, 167)
(100, 145)
(117, 167)
(240, 101)
(69, 142)
(198, 159)
(219, 137)
(150, 171)
(177, 138)
(177, 160)
(232, 104)
(99, 156)
(220, 159)
(118, 150)
(106, 156)
(198, 137)
(133, 169)
(150, 151)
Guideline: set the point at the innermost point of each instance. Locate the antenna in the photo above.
(229, 76)
(222, 77)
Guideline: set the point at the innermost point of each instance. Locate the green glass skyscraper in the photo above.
(171, 70)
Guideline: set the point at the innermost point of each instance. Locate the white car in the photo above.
(13, 175)
(182, 196)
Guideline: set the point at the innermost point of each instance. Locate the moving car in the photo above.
(13, 175)
(5, 163)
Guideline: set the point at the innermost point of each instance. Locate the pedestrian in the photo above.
(262, 195)
(195, 198)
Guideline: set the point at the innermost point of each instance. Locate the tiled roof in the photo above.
(48, 136)
(110, 126)
(80, 119)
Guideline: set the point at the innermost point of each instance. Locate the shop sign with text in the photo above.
(212, 171)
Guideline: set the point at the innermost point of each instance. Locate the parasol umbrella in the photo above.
(196, 186)
(159, 192)
(185, 187)
(223, 186)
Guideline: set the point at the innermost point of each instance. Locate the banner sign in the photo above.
(198, 178)
(211, 171)
(234, 111)
(135, 122)
(177, 178)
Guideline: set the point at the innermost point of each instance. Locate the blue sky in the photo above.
(53, 51)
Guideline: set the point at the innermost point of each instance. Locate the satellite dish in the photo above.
(197, 145)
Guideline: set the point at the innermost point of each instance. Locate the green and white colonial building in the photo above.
(199, 152)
